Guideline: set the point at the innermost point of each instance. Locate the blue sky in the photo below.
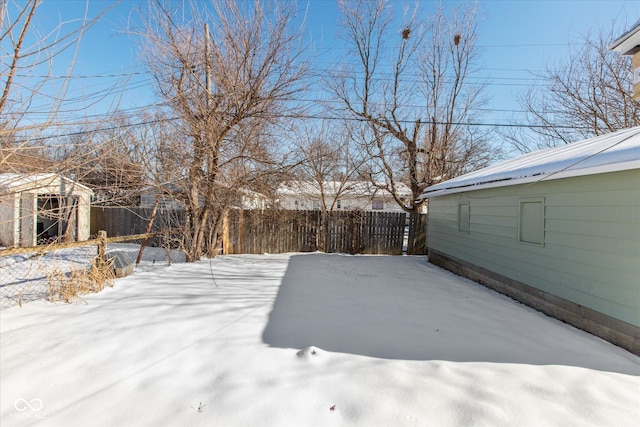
(517, 39)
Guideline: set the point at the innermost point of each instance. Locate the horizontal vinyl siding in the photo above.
(591, 252)
(598, 229)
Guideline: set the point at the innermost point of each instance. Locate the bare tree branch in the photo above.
(222, 93)
(590, 94)
(403, 144)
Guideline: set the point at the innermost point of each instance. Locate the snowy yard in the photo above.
(306, 340)
(23, 277)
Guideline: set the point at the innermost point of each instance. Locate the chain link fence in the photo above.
(26, 273)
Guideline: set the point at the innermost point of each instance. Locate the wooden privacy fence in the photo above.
(124, 221)
(359, 232)
(271, 231)
(279, 231)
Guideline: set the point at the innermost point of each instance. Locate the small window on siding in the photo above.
(531, 221)
(316, 205)
(377, 204)
(339, 204)
(464, 217)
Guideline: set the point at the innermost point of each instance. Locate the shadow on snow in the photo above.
(405, 308)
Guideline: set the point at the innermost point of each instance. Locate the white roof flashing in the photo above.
(629, 42)
(607, 153)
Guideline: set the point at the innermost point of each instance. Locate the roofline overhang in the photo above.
(571, 173)
(629, 42)
(36, 181)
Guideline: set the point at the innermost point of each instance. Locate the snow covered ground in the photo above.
(23, 277)
(306, 340)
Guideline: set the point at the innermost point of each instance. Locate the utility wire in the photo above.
(304, 116)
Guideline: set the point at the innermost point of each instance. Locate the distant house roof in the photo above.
(333, 188)
(181, 186)
(14, 182)
(607, 153)
(629, 42)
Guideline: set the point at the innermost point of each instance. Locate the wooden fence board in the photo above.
(417, 244)
(124, 221)
(281, 231)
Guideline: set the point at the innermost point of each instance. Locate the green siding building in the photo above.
(558, 229)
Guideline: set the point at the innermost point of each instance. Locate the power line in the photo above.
(306, 117)
(117, 90)
(317, 71)
(83, 76)
(300, 100)
(87, 132)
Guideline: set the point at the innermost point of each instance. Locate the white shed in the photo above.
(38, 208)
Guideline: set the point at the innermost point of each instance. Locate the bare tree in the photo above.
(114, 158)
(328, 162)
(225, 88)
(409, 87)
(28, 55)
(34, 101)
(588, 94)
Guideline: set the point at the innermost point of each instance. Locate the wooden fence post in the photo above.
(226, 238)
(102, 244)
(149, 225)
(323, 222)
(417, 244)
(241, 247)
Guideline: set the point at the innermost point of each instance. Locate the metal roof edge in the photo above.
(572, 173)
(620, 42)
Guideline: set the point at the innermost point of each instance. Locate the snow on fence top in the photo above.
(613, 152)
